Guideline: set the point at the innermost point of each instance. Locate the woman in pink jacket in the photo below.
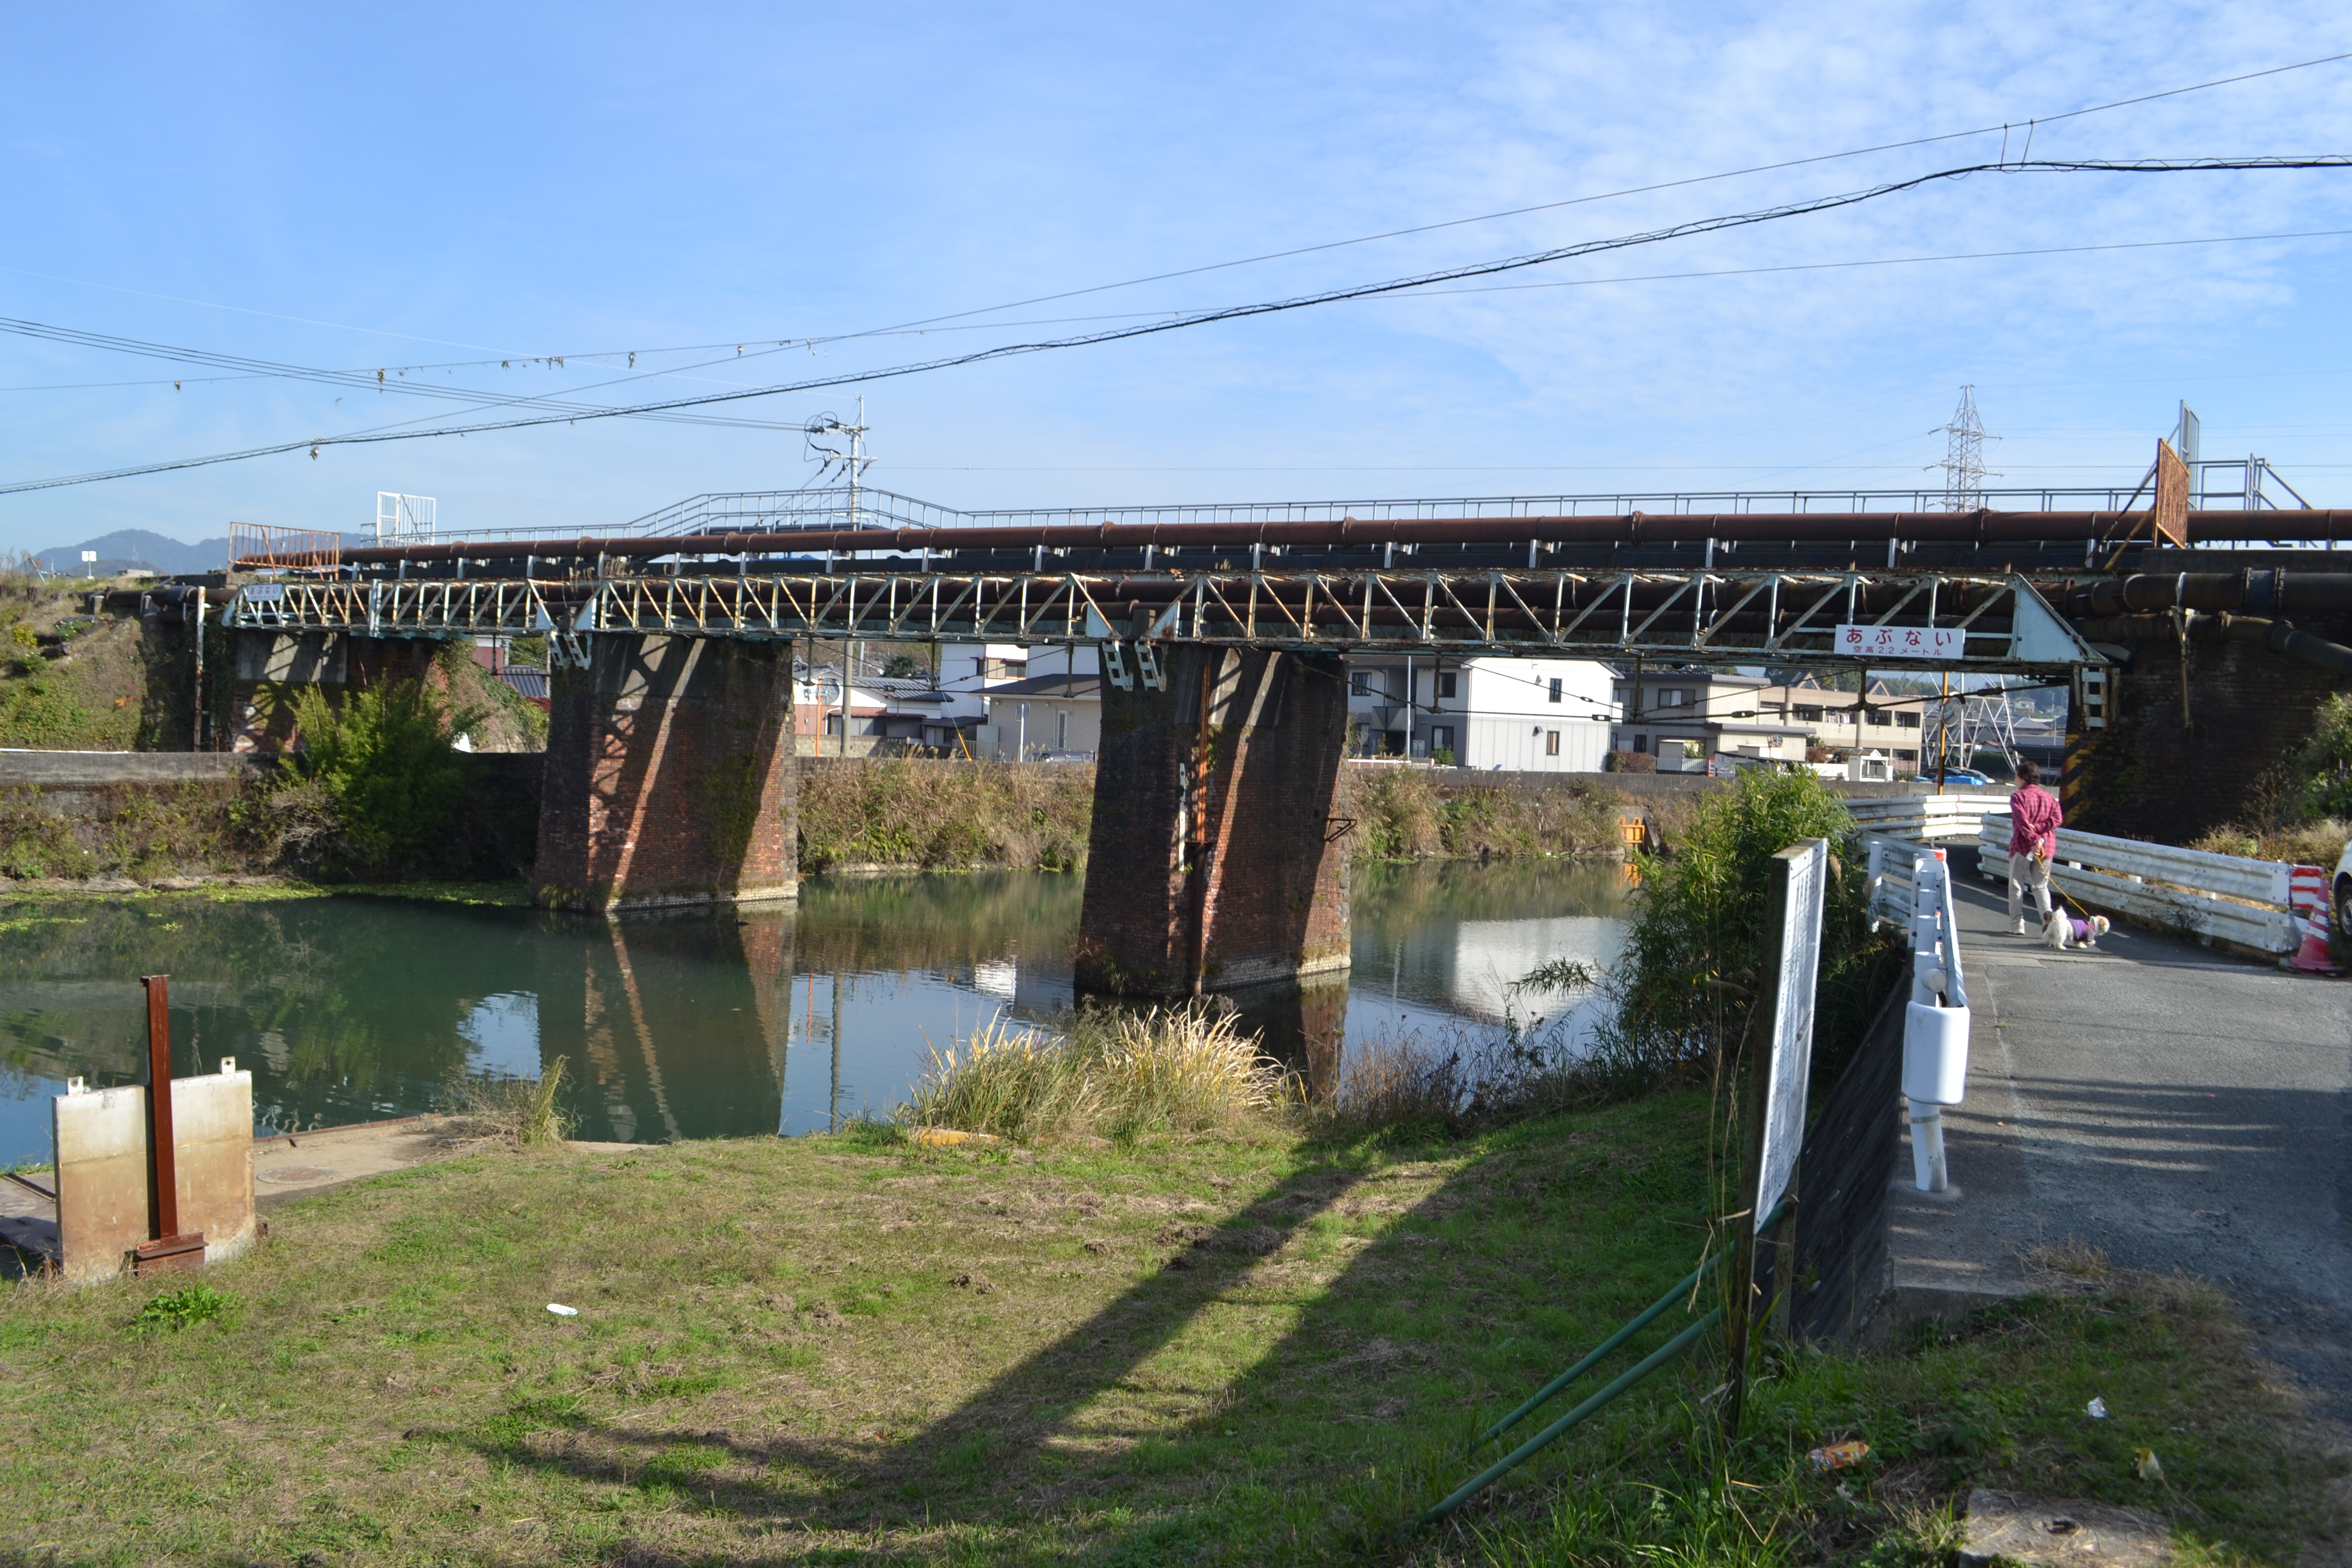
(2033, 818)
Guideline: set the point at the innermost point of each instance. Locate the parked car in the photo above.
(1956, 775)
(2341, 905)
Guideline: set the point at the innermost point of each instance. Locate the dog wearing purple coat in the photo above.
(2061, 930)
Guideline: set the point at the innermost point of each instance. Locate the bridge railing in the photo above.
(754, 511)
(2245, 902)
(1924, 818)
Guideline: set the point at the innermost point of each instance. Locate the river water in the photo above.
(358, 1008)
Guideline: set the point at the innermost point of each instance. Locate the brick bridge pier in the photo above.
(670, 780)
(1215, 861)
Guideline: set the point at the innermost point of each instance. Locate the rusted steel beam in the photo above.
(168, 1248)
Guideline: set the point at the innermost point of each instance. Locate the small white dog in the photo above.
(2061, 931)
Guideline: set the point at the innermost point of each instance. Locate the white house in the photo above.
(1042, 702)
(1533, 715)
(885, 713)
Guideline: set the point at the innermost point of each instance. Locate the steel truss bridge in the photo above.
(1724, 588)
(1750, 617)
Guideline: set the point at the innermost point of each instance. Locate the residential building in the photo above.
(1721, 714)
(1876, 720)
(1533, 715)
(885, 714)
(1043, 703)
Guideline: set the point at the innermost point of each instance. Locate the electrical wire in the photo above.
(1631, 191)
(1239, 312)
(354, 380)
(920, 326)
(158, 350)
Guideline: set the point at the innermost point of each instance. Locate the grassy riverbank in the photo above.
(1253, 1348)
(880, 814)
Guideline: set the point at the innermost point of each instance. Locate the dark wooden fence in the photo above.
(1845, 1176)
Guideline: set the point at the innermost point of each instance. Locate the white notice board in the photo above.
(1791, 1041)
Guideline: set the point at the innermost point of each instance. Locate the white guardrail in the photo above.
(2256, 904)
(2225, 897)
(1922, 818)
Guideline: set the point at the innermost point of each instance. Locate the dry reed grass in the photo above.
(2319, 843)
(2072, 1258)
(1108, 1072)
(1406, 814)
(521, 1112)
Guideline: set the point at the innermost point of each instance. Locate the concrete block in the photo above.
(2057, 1532)
(304, 659)
(103, 1208)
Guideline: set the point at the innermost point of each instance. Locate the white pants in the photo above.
(2025, 871)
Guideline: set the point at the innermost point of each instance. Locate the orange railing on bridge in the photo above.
(256, 546)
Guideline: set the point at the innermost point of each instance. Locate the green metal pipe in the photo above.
(1647, 1317)
(1643, 1320)
(1552, 1434)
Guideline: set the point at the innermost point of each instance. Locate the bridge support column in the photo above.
(2190, 734)
(268, 668)
(670, 778)
(1214, 862)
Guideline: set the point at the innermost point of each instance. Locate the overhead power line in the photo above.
(354, 379)
(2025, 125)
(504, 361)
(1241, 312)
(165, 351)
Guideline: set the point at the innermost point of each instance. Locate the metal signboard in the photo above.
(1791, 1041)
(1901, 642)
(2170, 517)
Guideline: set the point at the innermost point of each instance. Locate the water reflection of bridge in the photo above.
(697, 1024)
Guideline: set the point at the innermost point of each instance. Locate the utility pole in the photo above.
(854, 462)
(848, 665)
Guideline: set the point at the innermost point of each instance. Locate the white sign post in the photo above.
(1789, 1061)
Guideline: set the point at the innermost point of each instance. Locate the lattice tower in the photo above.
(1964, 469)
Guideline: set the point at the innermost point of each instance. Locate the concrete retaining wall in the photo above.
(50, 770)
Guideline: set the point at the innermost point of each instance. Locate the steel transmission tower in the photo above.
(1964, 469)
(1989, 723)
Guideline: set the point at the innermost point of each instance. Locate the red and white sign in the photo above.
(1902, 642)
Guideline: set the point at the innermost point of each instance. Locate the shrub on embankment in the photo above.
(73, 682)
(2300, 810)
(377, 794)
(1682, 991)
(1408, 814)
(909, 815)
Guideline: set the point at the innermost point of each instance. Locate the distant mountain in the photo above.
(133, 549)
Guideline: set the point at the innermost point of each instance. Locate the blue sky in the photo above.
(434, 185)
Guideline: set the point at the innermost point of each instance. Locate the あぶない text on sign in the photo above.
(1902, 642)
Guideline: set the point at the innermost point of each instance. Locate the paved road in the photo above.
(2179, 1108)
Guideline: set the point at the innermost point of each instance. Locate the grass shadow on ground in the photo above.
(823, 1351)
(1292, 1378)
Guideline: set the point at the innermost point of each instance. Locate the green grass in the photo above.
(1246, 1349)
(282, 889)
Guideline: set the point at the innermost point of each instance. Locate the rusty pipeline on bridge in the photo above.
(1980, 530)
(2255, 591)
